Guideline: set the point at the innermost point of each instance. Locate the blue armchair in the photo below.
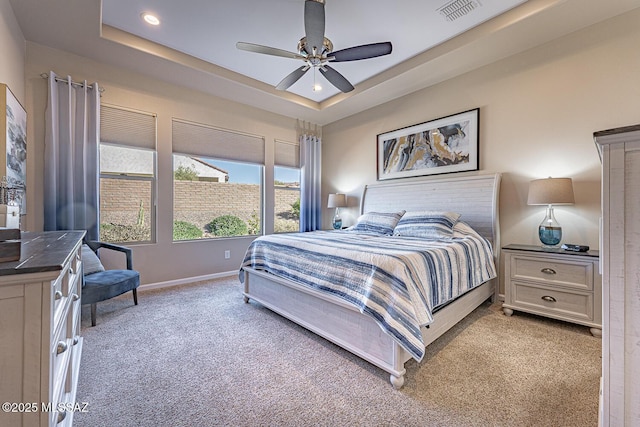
(100, 284)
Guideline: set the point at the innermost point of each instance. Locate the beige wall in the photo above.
(12, 46)
(165, 260)
(538, 111)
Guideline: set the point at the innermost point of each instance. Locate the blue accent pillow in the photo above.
(427, 224)
(381, 223)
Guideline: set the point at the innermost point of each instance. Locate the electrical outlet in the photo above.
(227, 254)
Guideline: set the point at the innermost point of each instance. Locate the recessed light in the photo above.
(150, 18)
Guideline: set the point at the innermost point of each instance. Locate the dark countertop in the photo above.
(42, 251)
(532, 248)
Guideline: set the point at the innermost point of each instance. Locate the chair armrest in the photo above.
(95, 245)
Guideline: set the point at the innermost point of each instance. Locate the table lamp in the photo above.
(337, 201)
(550, 191)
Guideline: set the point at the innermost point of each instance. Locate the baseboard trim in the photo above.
(186, 280)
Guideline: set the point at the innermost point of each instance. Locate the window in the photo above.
(287, 187)
(287, 200)
(217, 186)
(127, 175)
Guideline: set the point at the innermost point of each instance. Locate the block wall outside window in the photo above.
(287, 200)
(125, 210)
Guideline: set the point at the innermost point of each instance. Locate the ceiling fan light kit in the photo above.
(316, 50)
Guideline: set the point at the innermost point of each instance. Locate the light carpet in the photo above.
(197, 355)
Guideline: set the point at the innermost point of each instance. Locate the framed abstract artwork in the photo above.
(445, 145)
(13, 140)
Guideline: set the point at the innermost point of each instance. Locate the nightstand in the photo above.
(554, 283)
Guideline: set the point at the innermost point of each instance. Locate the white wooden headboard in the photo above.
(474, 197)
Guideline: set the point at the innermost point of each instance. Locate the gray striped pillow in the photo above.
(427, 224)
(381, 223)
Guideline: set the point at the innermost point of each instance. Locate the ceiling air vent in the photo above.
(458, 8)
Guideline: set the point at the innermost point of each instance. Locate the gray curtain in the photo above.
(71, 167)
(310, 186)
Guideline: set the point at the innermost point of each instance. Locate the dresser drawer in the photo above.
(553, 302)
(573, 274)
(58, 297)
(66, 286)
(61, 346)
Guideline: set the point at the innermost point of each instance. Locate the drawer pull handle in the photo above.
(548, 271)
(62, 347)
(76, 340)
(549, 298)
(58, 295)
(75, 297)
(61, 416)
(71, 271)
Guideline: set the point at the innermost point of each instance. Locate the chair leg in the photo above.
(135, 296)
(93, 314)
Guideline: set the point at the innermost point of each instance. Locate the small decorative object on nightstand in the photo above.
(561, 284)
(337, 201)
(550, 191)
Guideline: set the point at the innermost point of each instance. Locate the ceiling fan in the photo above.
(316, 50)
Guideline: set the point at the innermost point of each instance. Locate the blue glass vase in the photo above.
(549, 231)
(337, 222)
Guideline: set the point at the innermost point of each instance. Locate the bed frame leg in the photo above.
(397, 382)
(246, 287)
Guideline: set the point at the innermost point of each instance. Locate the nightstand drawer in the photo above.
(573, 274)
(563, 304)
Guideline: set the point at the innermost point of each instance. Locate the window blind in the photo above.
(207, 141)
(287, 154)
(127, 127)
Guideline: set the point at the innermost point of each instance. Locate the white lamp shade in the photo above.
(337, 200)
(551, 191)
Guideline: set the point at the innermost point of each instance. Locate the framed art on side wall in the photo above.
(13, 140)
(445, 145)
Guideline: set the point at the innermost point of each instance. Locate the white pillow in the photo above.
(427, 224)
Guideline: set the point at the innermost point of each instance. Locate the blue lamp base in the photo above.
(549, 231)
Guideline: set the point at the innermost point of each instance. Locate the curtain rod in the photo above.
(60, 80)
(308, 128)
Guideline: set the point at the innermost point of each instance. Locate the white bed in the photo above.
(474, 197)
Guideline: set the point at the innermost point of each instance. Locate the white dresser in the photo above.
(40, 343)
(620, 240)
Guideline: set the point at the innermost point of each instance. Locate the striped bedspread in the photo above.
(398, 281)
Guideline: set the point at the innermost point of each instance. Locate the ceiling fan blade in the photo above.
(336, 79)
(256, 48)
(361, 52)
(314, 25)
(292, 78)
